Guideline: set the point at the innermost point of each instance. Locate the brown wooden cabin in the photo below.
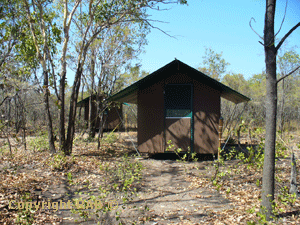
(111, 115)
(178, 103)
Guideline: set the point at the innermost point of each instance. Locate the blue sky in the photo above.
(220, 25)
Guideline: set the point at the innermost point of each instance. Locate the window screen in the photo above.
(178, 100)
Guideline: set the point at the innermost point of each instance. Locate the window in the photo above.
(178, 100)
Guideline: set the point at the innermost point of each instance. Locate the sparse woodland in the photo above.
(49, 153)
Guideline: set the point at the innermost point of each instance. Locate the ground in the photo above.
(136, 190)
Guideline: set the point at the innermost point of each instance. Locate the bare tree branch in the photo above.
(253, 29)
(11, 44)
(286, 36)
(3, 100)
(164, 32)
(290, 73)
(283, 18)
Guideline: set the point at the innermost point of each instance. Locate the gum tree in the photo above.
(271, 50)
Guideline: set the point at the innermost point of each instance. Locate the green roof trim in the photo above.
(129, 94)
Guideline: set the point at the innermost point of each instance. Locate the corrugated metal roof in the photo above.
(129, 94)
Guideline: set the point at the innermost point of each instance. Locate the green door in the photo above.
(178, 115)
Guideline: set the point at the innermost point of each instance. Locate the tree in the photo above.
(10, 29)
(237, 82)
(268, 183)
(44, 48)
(257, 108)
(214, 64)
(97, 17)
(115, 50)
(134, 74)
(33, 30)
(287, 62)
(27, 46)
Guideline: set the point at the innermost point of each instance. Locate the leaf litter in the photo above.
(29, 170)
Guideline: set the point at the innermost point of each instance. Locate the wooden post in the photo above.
(126, 125)
(220, 134)
(293, 186)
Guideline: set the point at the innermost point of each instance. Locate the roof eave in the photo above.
(129, 94)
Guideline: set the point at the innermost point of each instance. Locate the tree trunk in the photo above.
(80, 108)
(102, 119)
(268, 183)
(48, 114)
(91, 119)
(72, 113)
(100, 132)
(62, 131)
(92, 105)
(281, 111)
(68, 15)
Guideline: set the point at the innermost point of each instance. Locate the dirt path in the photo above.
(164, 197)
(170, 197)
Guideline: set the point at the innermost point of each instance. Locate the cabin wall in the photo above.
(86, 112)
(151, 119)
(152, 125)
(206, 119)
(113, 118)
